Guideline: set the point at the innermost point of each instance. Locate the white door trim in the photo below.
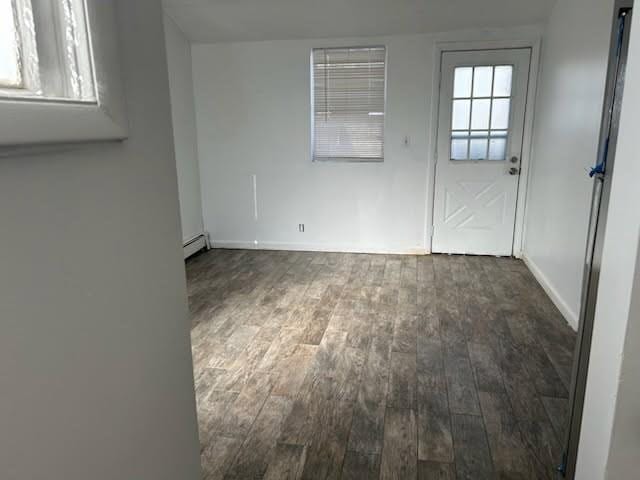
(523, 183)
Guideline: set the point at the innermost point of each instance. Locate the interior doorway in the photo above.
(481, 123)
(462, 346)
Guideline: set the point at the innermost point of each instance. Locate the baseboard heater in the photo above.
(197, 243)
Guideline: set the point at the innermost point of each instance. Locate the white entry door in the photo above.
(480, 128)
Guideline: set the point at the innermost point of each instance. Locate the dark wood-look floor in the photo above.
(323, 365)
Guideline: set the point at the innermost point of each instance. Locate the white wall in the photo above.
(96, 379)
(184, 129)
(567, 125)
(253, 118)
(625, 442)
(609, 441)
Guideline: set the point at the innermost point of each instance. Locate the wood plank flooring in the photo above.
(352, 366)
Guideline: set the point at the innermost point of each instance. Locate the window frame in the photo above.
(41, 120)
(342, 159)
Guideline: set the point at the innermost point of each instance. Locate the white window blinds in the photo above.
(348, 103)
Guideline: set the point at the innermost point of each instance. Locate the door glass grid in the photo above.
(480, 112)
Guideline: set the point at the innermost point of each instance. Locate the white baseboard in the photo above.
(309, 247)
(567, 312)
(194, 245)
(234, 244)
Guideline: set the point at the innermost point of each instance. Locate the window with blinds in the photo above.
(348, 101)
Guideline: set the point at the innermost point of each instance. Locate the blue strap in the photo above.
(600, 167)
(597, 170)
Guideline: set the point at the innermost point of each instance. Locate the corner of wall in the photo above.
(570, 315)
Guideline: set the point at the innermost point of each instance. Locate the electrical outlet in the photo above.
(301, 227)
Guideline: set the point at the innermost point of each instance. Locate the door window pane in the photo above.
(480, 114)
(482, 78)
(499, 134)
(502, 81)
(478, 149)
(461, 114)
(497, 148)
(480, 134)
(462, 82)
(500, 113)
(459, 148)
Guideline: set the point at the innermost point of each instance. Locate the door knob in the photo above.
(514, 171)
(513, 159)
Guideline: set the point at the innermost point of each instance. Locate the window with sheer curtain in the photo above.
(348, 101)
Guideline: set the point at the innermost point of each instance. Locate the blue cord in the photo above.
(600, 167)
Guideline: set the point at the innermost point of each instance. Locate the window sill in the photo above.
(348, 160)
(36, 123)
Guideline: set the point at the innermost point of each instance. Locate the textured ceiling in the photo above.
(236, 20)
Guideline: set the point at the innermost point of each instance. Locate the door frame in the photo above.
(532, 43)
(602, 185)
